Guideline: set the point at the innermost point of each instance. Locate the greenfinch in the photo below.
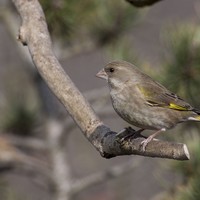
(143, 102)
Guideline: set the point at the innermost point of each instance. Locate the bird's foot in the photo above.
(145, 142)
(150, 138)
(124, 134)
(128, 133)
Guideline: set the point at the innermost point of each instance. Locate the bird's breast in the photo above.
(133, 109)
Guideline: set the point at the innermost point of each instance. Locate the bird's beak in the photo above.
(102, 74)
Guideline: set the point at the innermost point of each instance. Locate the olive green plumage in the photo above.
(143, 102)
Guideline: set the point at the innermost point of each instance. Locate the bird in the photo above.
(143, 102)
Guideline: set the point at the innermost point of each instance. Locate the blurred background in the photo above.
(43, 154)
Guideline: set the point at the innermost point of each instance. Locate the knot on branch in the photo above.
(22, 35)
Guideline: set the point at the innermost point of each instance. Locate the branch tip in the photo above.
(187, 154)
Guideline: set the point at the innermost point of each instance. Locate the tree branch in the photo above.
(34, 33)
(142, 3)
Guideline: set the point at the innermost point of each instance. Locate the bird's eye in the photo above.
(111, 70)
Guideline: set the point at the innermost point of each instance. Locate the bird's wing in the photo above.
(156, 95)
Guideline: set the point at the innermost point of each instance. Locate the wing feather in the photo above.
(157, 95)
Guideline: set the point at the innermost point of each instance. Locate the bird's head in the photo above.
(118, 72)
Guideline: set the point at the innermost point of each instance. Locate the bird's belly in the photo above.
(141, 115)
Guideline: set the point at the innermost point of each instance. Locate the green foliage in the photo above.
(64, 17)
(182, 73)
(112, 19)
(192, 168)
(190, 171)
(100, 20)
(183, 63)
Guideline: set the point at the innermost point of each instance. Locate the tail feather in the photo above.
(196, 111)
(196, 116)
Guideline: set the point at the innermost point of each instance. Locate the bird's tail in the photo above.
(196, 117)
(196, 111)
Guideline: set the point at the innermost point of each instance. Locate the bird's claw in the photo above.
(124, 134)
(143, 144)
(128, 134)
(120, 136)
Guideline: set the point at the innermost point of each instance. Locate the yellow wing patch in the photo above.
(176, 107)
